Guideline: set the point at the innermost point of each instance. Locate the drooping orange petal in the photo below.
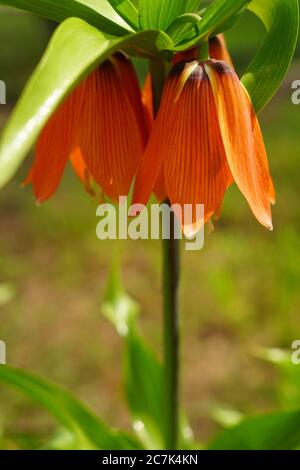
(147, 99)
(78, 164)
(159, 187)
(242, 138)
(110, 138)
(195, 166)
(151, 164)
(55, 145)
(81, 170)
(218, 49)
(130, 85)
(186, 147)
(28, 179)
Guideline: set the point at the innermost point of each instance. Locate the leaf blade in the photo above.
(216, 14)
(161, 13)
(89, 430)
(97, 13)
(128, 11)
(268, 68)
(142, 372)
(279, 431)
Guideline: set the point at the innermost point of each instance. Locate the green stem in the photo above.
(204, 52)
(158, 70)
(170, 293)
(171, 269)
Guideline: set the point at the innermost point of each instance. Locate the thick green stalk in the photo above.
(170, 307)
(171, 271)
(158, 70)
(204, 52)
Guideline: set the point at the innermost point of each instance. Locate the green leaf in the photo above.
(271, 432)
(219, 12)
(61, 440)
(228, 24)
(226, 417)
(142, 372)
(288, 388)
(184, 27)
(268, 68)
(74, 51)
(104, 7)
(96, 12)
(215, 15)
(89, 430)
(161, 13)
(118, 307)
(143, 377)
(128, 11)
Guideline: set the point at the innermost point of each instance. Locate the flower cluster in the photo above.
(204, 137)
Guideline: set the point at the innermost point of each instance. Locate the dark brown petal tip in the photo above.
(179, 68)
(198, 74)
(220, 66)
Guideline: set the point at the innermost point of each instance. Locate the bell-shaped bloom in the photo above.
(101, 127)
(206, 133)
(217, 50)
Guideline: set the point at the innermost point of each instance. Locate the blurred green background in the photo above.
(239, 294)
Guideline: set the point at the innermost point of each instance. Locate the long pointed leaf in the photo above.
(143, 372)
(216, 14)
(127, 10)
(269, 66)
(272, 432)
(143, 375)
(96, 12)
(161, 13)
(89, 430)
(75, 49)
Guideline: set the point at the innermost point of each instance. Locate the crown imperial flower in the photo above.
(101, 127)
(206, 135)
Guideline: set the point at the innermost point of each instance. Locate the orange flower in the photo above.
(205, 136)
(147, 99)
(217, 50)
(101, 127)
(206, 133)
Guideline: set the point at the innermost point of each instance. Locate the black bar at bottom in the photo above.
(135, 459)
